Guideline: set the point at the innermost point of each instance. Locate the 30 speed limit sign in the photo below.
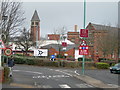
(8, 51)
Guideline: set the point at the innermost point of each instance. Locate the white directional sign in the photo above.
(40, 52)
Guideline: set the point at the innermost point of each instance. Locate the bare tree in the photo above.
(12, 18)
(108, 43)
(24, 40)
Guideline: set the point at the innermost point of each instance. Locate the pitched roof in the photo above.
(47, 42)
(35, 16)
(100, 27)
(57, 46)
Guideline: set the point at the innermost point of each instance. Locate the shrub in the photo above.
(6, 73)
(102, 65)
(38, 62)
(86, 59)
(118, 61)
(71, 64)
(29, 61)
(80, 59)
(19, 60)
(19, 54)
(60, 56)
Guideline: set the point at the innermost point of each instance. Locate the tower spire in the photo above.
(35, 16)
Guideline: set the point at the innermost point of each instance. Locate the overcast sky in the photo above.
(55, 15)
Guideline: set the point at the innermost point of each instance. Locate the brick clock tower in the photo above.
(35, 27)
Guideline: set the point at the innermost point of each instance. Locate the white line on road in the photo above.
(64, 72)
(64, 86)
(76, 72)
(49, 76)
(113, 85)
(27, 71)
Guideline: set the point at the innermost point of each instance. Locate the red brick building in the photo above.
(53, 36)
(74, 37)
(58, 49)
(100, 42)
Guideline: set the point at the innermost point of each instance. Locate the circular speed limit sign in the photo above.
(8, 51)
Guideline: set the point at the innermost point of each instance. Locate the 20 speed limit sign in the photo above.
(8, 51)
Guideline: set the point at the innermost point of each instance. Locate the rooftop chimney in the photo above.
(75, 28)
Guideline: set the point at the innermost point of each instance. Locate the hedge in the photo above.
(102, 65)
(6, 74)
(59, 63)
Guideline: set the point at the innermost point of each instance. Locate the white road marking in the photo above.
(84, 85)
(64, 86)
(64, 72)
(44, 86)
(27, 71)
(49, 76)
(76, 72)
(113, 85)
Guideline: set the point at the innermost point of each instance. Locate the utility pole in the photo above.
(83, 63)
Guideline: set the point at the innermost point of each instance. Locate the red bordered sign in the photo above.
(8, 51)
(83, 48)
(83, 32)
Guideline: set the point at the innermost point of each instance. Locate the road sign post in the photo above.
(83, 63)
(2, 46)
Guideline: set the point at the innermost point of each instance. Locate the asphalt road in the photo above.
(44, 77)
(25, 76)
(102, 75)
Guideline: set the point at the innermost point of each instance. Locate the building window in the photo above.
(36, 23)
(32, 23)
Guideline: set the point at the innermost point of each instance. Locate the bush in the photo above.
(70, 64)
(19, 60)
(60, 56)
(118, 61)
(6, 73)
(102, 65)
(86, 59)
(19, 54)
(29, 61)
(80, 59)
(38, 62)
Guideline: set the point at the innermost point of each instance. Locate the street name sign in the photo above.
(40, 52)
